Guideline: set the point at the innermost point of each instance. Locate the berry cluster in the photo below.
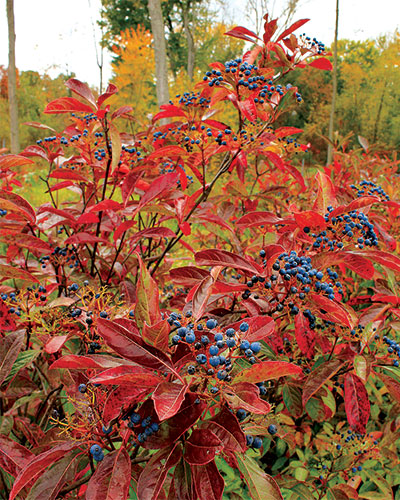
(145, 425)
(370, 188)
(393, 348)
(344, 229)
(312, 44)
(3, 213)
(193, 99)
(61, 256)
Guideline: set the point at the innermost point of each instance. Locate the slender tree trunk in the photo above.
(12, 80)
(334, 89)
(160, 52)
(190, 42)
(378, 116)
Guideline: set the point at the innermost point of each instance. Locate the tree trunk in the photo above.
(190, 42)
(12, 80)
(334, 90)
(378, 116)
(160, 52)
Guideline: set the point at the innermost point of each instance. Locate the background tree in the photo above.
(12, 79)
(334, 89)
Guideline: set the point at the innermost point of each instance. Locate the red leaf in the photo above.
(83, 237)
(28, 241)
(168, 398)
(325, 195)
(154, 474)
(356, 402)
(55, 344)
(331, 310)
(384, 259)
(153, 232)
(9, 272)
(267, 370)
(75, 362)
(392, 385)
(106, 205)
(124, 396)
(246, 395)
(12, 161)
(356, 262)
(35, 151)
(118, 338)
(269, 30)
(157, 188)
(112, 477)
(110, 91)
(226, 259)
(10, 347)
(123, 110)
(168, 111)
(87, 218)
(305, 337)
(167, 152)
(17, 204)
(127, 375)
(260, 328)
(292, 28)
(128, 185)
(248, 108)
(201, 296)
(227, 428)
(310, 219)
(157, 335)
(258, 219)
(13, 456)
(147, 308)
(38, 125)
(318, 377)
(39, 463)
(208, 482)
(67, 105)
(285, 131)
(321, 63)
(81, 89)
(63, 173)
(201, 447)
(242, 34)
(275, 159)
(215, 219)
(363, 201)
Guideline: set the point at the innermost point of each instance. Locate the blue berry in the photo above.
(218, 336)
(231, 343)
(244, 327)
(257, 443)
(272, 429)
(245, 344)
(106, 430)
(222, 374)
(249, 439)
(190, 338)
(95, 449)
(213, 350)
(255, 347)
(82, 388)
(241, 414)
(201, 359)
(214, 361)
(211, 323)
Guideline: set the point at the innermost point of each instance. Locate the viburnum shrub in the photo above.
(191, 315)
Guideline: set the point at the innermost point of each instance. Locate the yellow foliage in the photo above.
(134, 72)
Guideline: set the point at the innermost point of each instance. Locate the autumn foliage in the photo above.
(198, 316)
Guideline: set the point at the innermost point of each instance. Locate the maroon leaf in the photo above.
(392, 385)
(201, 447)
(120, 398)
(157, 335)
(152, 478)
(226, 259)
(208, 482)
(124, 375)
(13, 456)
(39, 463)
(318, 377)
(123, 110)
(356, 402)
(267, 370)
(67, 105)
(75, 362)
(292, 28)
(9, 272)
(227, 428)
(81, 89)
(118, 338)
(112, 477)
(325, 194)
(10, 347)
(247, 396)
(331, 310)
(50, 482)
(172, 429)
(201, 296)
(188, 276)
(269, 29)
(168, 398)
(354, 261)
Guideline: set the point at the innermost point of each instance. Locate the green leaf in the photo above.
(260, 484)
(24, 359)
